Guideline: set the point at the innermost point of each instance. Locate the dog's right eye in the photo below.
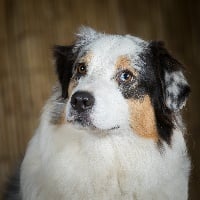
(125, 76)
(81, 69)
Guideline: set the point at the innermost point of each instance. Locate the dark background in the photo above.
(28, 30)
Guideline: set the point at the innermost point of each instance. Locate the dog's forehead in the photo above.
(106, 50)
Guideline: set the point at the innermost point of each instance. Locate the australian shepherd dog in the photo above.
(112, 129)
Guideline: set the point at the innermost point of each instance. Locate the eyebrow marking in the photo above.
(86, 58)
(123, 62)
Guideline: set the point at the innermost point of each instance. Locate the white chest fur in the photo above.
(67, 164)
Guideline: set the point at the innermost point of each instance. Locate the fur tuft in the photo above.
(85, 36)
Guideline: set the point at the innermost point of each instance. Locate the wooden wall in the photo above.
(29, 28)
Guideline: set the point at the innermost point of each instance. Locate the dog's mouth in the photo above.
(84, 122)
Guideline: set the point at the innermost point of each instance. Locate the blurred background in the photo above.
(29, 29)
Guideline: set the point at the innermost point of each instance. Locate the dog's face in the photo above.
(120, 82)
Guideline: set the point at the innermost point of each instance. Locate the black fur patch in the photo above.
(184, 93)
(64, 65)
(159, 61)
(12, 191)
(157, 93)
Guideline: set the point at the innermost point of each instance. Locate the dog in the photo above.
(112, 129)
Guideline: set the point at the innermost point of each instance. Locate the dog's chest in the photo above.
(98, 168)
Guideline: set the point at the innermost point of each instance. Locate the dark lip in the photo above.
(86, 123)
(114, 128)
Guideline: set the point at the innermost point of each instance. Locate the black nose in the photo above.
(82, 101)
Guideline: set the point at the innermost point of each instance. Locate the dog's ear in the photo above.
(64, 59)
(175, 88)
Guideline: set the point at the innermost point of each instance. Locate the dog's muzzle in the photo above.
(82, 103)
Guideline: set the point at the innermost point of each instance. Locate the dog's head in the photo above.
(120, 82)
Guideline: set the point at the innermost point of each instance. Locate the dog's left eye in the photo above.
(125, 76)
(81, 69)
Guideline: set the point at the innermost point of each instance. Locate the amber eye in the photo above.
(125, 76)
(81, 69)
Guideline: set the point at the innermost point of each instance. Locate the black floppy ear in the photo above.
(64, 59)
(174, 85)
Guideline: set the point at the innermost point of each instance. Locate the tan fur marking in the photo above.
(86, 58)
(125, 63)
(73, 83)
(62, 119)
(142, 119)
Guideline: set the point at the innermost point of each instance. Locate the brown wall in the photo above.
(29, 28)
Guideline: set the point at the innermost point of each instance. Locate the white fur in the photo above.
(63, 162)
